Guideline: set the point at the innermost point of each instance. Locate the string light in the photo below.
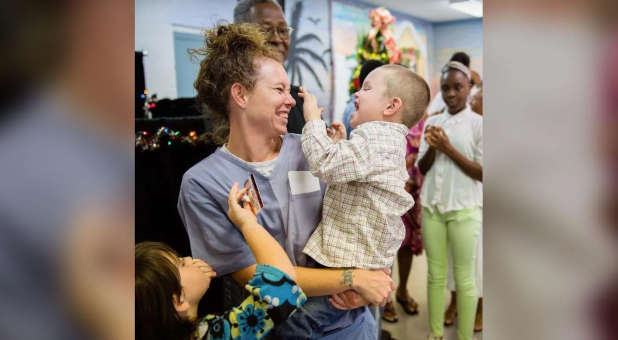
(164, 136)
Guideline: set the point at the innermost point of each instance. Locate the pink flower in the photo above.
(381, 17)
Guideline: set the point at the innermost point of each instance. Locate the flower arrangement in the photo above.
(378, 44)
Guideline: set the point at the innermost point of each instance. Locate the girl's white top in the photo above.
(446, 187)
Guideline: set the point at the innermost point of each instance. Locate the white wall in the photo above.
(155, 23)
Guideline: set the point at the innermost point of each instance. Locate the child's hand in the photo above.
(240, 215)
(438, 139)
(336, 131)
(311, 111)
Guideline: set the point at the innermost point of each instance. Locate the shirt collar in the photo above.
(458, 117)
(398, 127)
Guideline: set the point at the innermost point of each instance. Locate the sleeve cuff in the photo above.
(272, 273)
(314, 125)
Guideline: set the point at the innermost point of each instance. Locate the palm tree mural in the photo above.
(297, 53)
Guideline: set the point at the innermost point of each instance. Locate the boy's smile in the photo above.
(370, 101)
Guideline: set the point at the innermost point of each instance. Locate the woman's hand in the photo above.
(311, 111)
(375, 286)
(239, 215)
(336, 131)
(347, 300)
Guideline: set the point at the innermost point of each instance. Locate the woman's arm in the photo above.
(373, 285)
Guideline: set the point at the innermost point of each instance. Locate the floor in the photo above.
(416, 327)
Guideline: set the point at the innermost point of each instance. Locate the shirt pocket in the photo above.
(306, 209)
(304, 216)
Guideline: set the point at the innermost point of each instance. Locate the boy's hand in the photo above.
(311, 111)
(336, 131)
(240, 215)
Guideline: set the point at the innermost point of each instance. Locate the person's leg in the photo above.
(390, 314)
(309, 321)
(451, 310)
(479, 264)
(478, 322)
(404, 258)
(435, 240)
(364, 328)
(377, 313)
(463, 230)
(451, 278)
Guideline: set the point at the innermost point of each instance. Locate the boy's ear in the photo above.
(393, 107)
(239, 95)
(180, 303)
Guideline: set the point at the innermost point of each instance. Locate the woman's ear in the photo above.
(180, 303)
(239, 95)
(393, 106)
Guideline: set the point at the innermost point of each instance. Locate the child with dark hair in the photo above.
(168, 288)
(437, 104)
(461, 57)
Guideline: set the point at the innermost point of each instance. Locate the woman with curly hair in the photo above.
(244, 85)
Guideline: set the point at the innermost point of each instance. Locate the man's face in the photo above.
(271, 18)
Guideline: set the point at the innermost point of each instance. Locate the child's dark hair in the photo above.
(461, 57)
(156, 282)
(229, 54)
(367, 67)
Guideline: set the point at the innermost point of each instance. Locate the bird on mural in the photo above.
(315, 21)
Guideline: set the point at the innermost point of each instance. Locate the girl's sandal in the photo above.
(409, 305)
(478, 322)
(390, 314)
(449, 316)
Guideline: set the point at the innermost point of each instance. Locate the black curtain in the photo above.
(140, 83)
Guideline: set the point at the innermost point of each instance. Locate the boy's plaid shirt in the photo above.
(361, 215)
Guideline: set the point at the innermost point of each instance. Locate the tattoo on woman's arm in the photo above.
(347, 278)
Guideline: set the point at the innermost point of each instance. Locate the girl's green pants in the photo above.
(458, 230)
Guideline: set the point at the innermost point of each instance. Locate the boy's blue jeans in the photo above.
(310, 320)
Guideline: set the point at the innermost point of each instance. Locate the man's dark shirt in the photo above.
(296, 120)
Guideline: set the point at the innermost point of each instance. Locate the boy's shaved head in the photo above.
(411, 88)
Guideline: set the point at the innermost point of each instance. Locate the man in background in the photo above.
(269, 15)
